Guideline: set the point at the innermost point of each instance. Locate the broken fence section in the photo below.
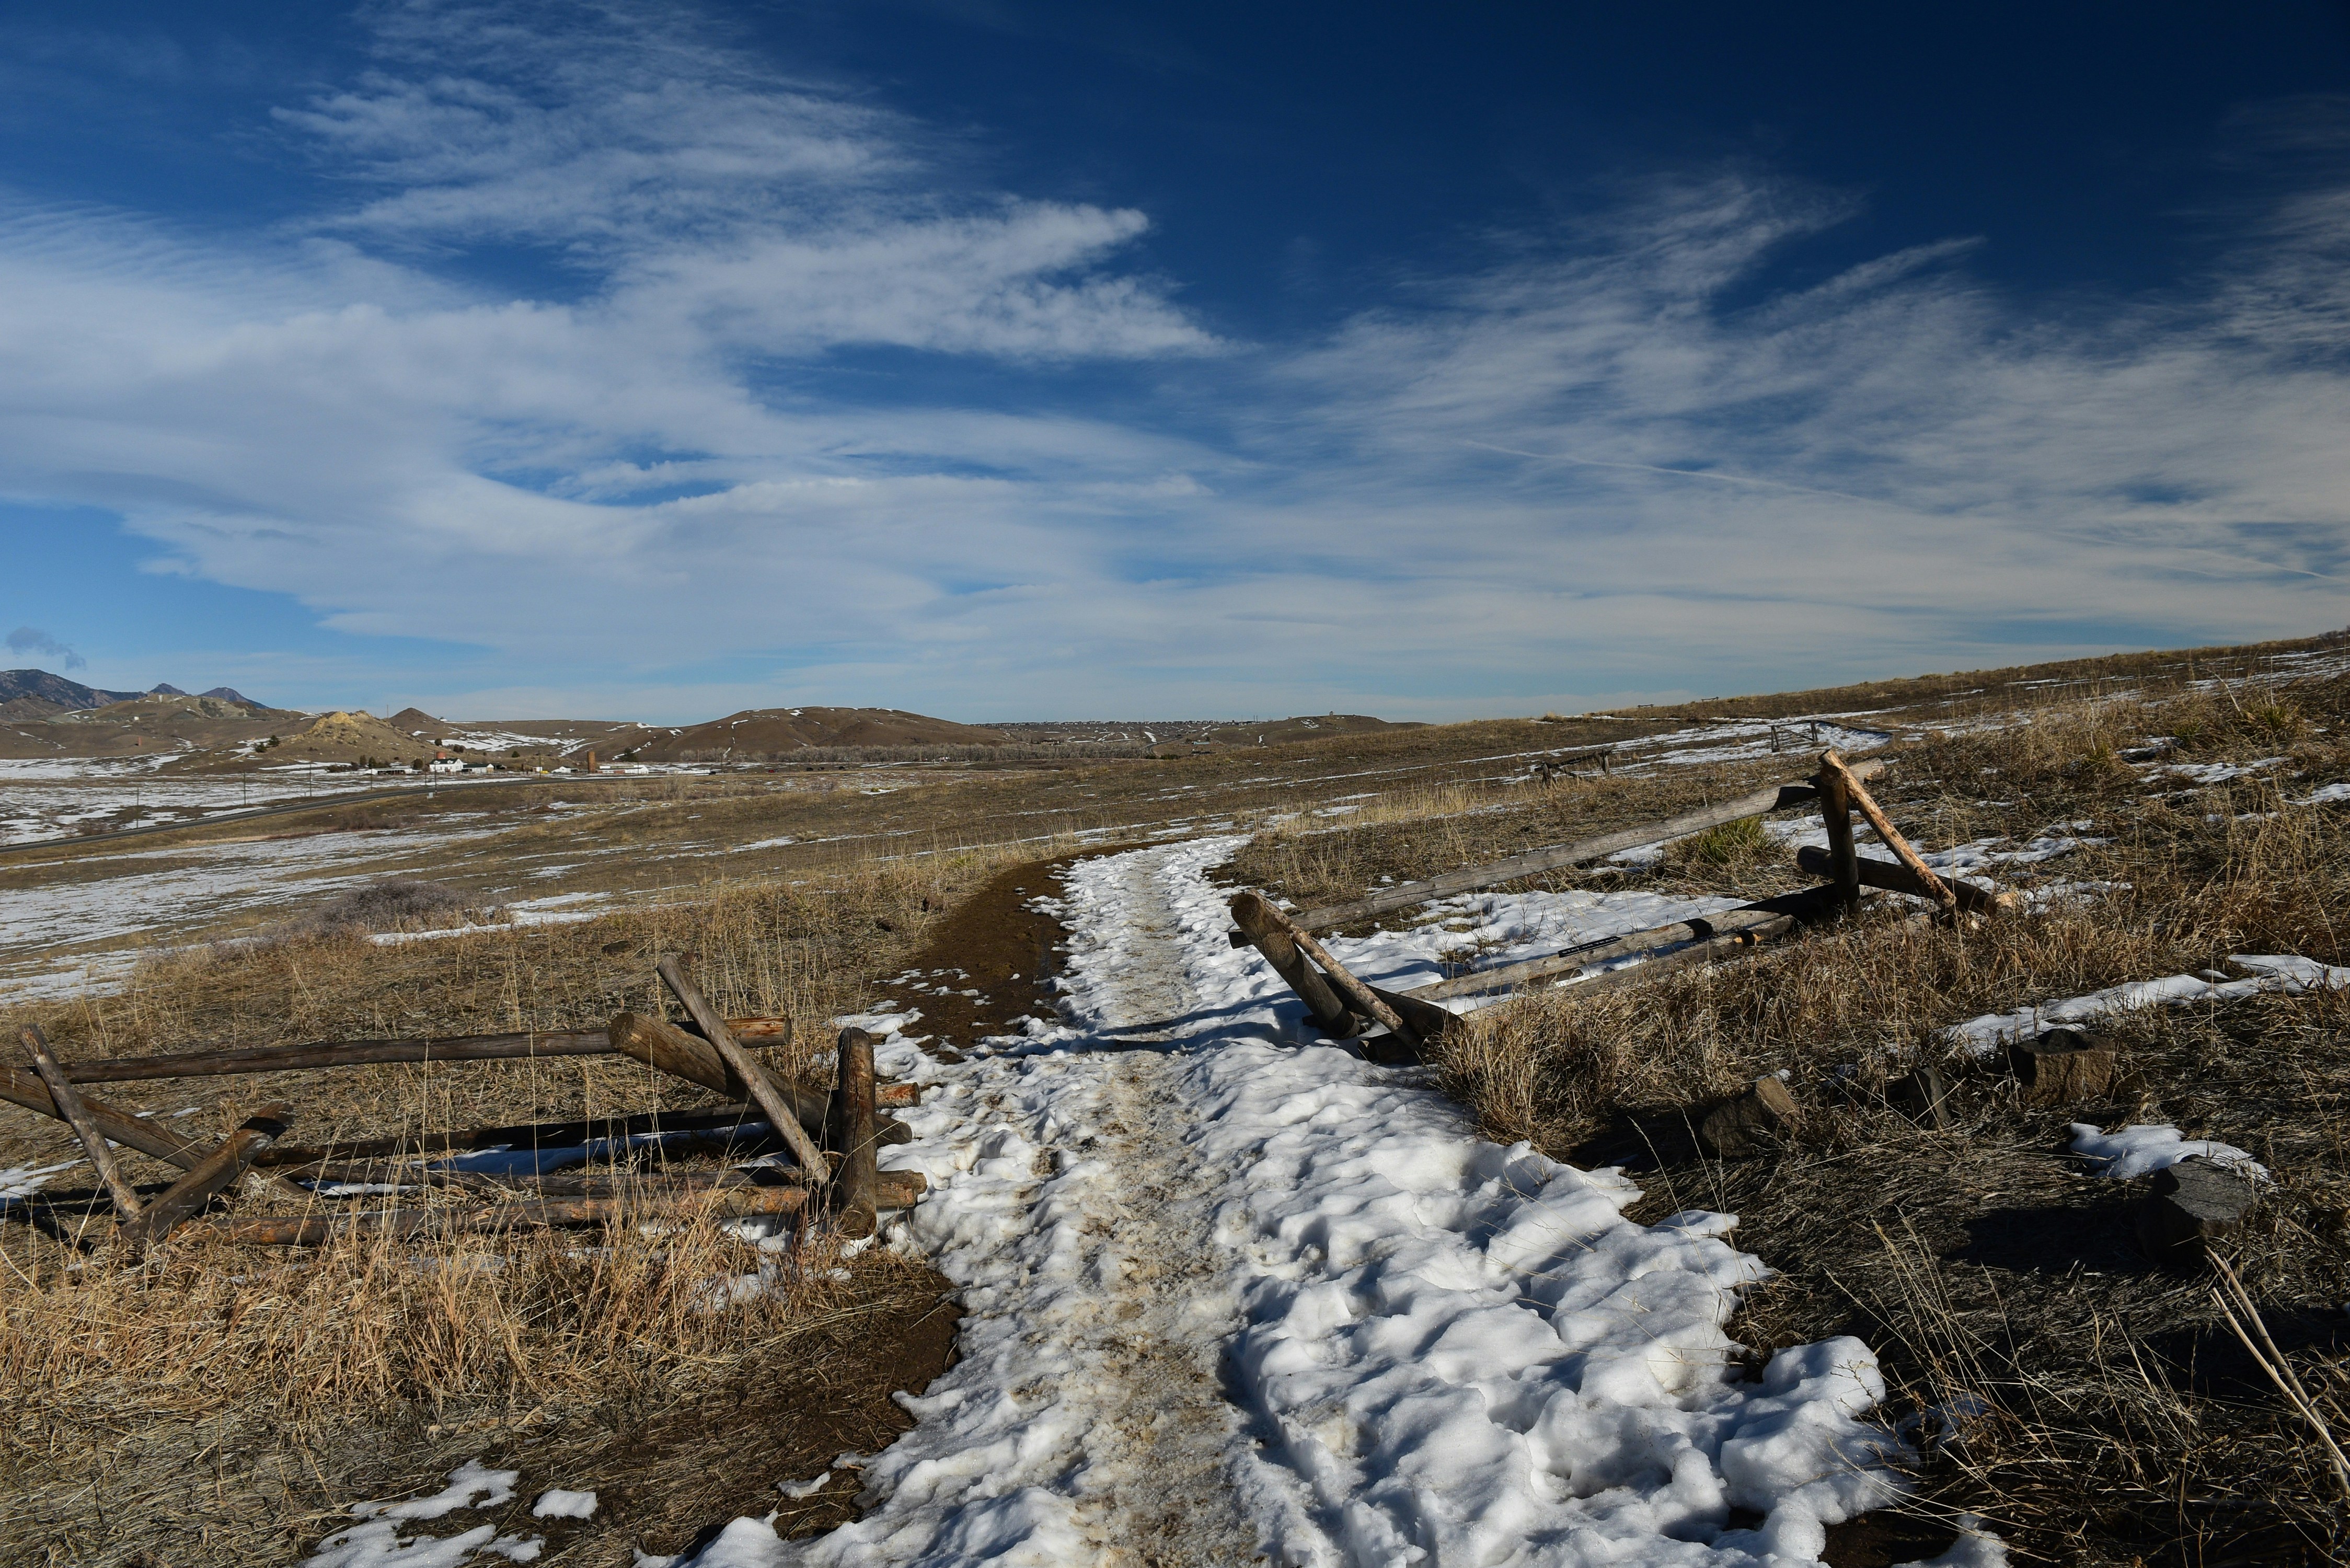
(1345, 1007)
(833, 1140)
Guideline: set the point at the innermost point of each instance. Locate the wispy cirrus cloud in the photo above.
(804, 407)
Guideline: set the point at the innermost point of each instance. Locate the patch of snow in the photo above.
(2143, 1150)
(24, 1180)
(556, 1503)
(2270, 973)
(2200, 773)
(377, 1542)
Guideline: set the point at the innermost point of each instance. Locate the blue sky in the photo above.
(1032, 360)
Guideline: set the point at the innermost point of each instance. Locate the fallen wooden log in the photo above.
(1858, 793)
(184, 1198)
(893, 1191)
(376, 1053)
(1893, 877)
(1472, 877)
(738, 1122)
(141, 1133)
(424, 1225)
(858, 1213)
(660, 1044)
(1255, 916)
(1359, 997)
(1744, 944)
(69, 1106)
(782, 1115)
(1769, 914)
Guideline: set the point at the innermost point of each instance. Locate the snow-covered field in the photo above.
(49, 933)
(53, 797)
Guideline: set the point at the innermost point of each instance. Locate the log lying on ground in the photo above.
(1758, 917)
(893, 1191)
(1470, 879)
(374, 1053)
(131, 1132)
(181, 1200)
(764, 1092)
(738, 1122)
(1893, 877)
(1745, 944)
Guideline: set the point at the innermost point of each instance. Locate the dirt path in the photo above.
(1169, 1313)
(1097, 1311)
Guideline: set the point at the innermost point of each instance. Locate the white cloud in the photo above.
(657, 470)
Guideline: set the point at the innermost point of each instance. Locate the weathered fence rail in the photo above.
(821, 1131)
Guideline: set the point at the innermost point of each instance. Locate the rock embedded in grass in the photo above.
(2063, 1066)
(2195, 1202)
(1754, 1123)
(1923, 1096)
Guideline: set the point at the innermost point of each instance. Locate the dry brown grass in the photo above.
(224, 1405)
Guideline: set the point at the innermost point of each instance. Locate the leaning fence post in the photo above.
(69, 1106)
(1358, 995)
(1331, 1014)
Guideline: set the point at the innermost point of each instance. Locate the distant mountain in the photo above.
(226, 694)
(37, 694)
(160, 690)
(767, 734)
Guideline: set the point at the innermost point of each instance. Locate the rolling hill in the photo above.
(771, 734)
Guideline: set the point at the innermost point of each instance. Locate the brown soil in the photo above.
(996, 943)
(668, 1481)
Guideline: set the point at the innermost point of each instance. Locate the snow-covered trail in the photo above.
(1232, 1295)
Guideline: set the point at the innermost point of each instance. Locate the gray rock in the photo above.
(2195, 1202)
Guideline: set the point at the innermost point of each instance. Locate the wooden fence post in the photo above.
(1252, 913)
(859, 1212)
(1844, 856)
